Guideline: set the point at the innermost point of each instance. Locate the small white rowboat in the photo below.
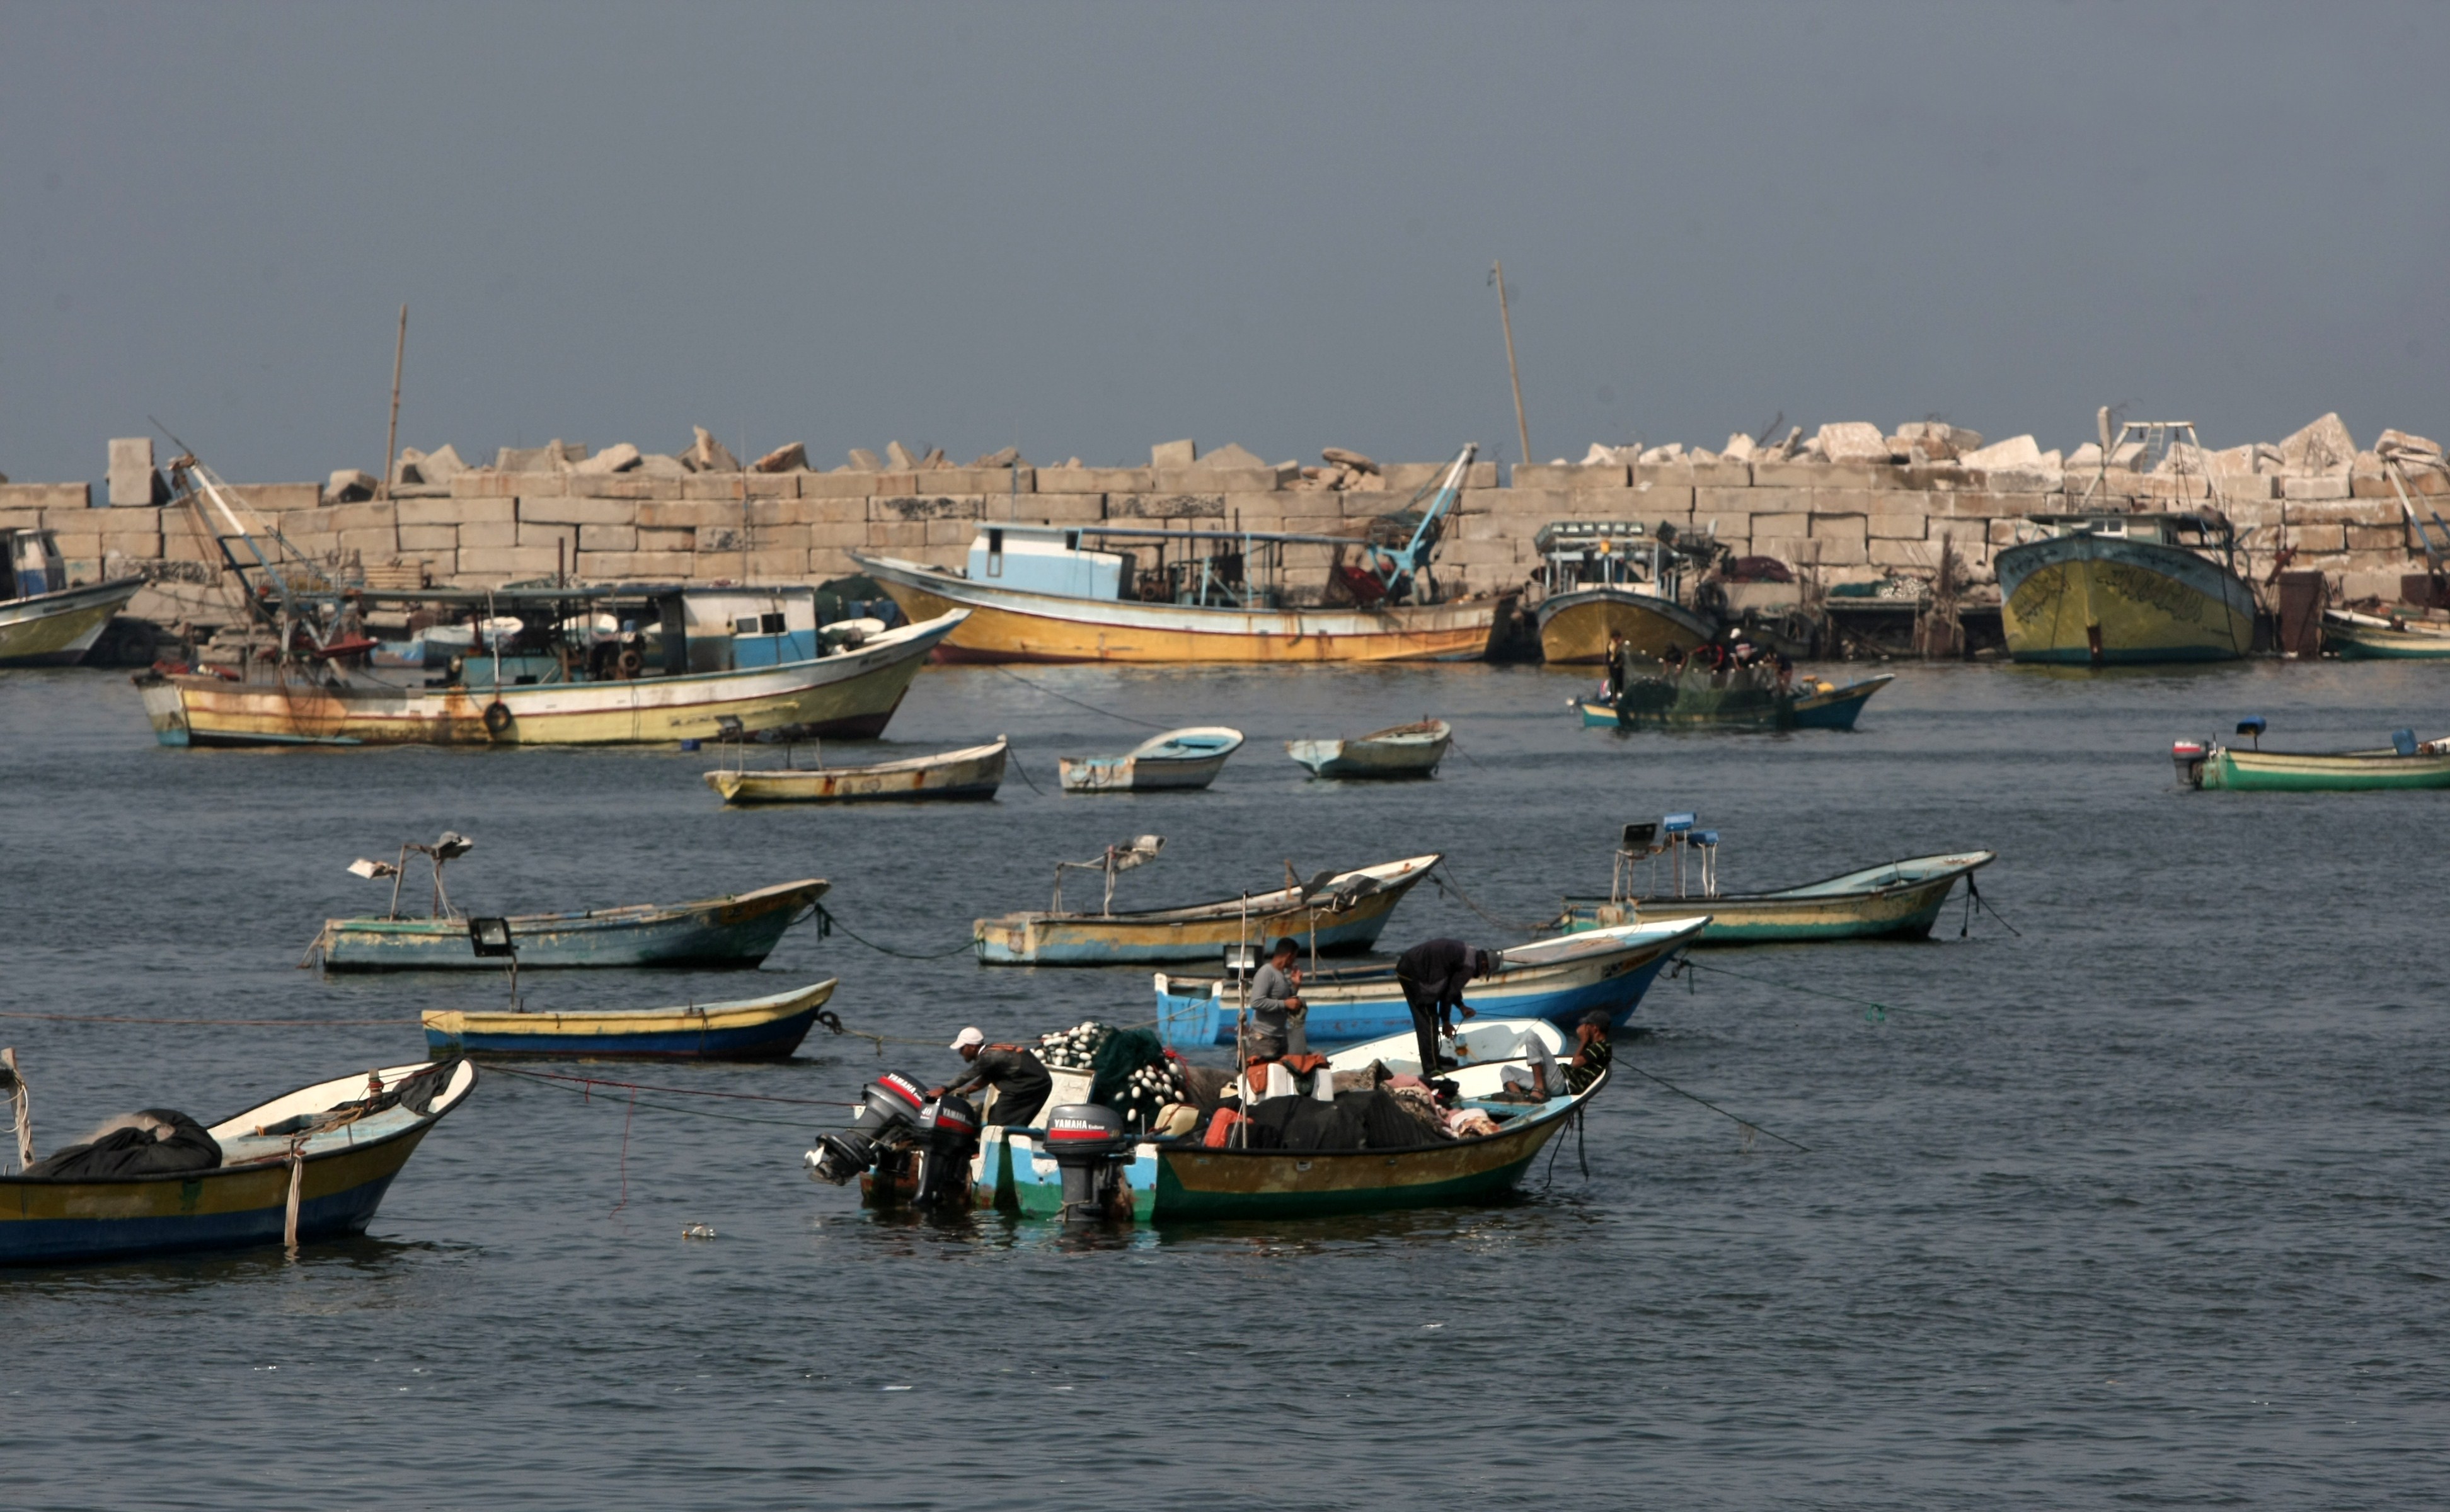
(1178, 759)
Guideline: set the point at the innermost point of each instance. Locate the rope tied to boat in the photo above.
(297, 1189)
(1446, 885)
(1872, 1011)
(1077, 703)
(1749, 1127)
(828, 923)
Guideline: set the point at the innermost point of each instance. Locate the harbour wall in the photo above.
(1835, 522)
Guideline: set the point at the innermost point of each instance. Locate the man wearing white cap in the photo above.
(1018, 1075)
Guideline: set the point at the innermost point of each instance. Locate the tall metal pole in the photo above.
(391, 439)
(1521, 429)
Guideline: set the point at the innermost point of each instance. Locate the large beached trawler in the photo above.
(325, 661)
(2101, 585)
(1074, 594)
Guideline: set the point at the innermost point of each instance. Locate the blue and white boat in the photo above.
(1178, 759)
(1557, 980)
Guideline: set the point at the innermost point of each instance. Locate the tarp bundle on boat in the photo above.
(1375, 1120)
(154, 1142)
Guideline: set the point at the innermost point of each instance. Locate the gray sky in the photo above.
(1085, 228)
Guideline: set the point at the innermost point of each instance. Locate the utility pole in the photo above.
(1521, 429)
(391, 439)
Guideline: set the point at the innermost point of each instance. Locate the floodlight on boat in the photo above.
(1640, 837)
(1678, 824)
(452, 846)
(372, 869)
(491, 938)
(1241, 958)
(1138, 851)
(1704, 836)
(2253, 724)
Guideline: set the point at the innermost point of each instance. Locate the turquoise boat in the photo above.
(736, 930)
(332, 1149)
(766, 1028)
(2409, 763)
(1898, 900)
(2373, 637)
(1557, 980)
(1701, 699)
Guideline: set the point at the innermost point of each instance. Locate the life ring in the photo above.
(497, 717)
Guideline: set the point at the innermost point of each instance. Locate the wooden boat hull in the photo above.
(737, 931)
(1575, 627)
(848, 696)
(1379, 757)
(1138, 774)
(243, 1202)
(56, 630)
(1902, 905)
(2272, 772)
(972, 775)
(2379, 643)
(754, 1029)
(1008, 626)
(1342, 1008)
(1700, 706)
(1197, 932)
(2093, 600)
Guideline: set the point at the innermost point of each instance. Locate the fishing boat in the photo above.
(766, 1028)
(1743, 699)
(1084, 1164)
(2408, 763)
(739, 929)
(1179, 759)
(1898, 900)
(44, 621)
(550, 663)
(1335, 913)
(1558, 978)
(1609, 581)
(326, 1153)
(1080, 593)
(972, 773)
(2375, 637)
(1397, 752)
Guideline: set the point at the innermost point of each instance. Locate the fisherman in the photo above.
(1432, 975)
(1592, 1051)
(1276, 1006)
(1614, 667)
(1015, 1072)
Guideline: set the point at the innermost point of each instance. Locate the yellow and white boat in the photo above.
(2104, 587)
(43, 620)
(1609, 581)
(1056, 593)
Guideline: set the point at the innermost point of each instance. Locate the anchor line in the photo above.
(1874, 1011)
(1743, 1122)
(1016, 765)
(827, 922)
(1069, 699)
(1447, 882)
(1975, 893)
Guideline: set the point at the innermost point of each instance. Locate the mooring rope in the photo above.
(1875, 1012)
(1447, 882)
(1705, 1102)
(1078, 702)
(827, 922)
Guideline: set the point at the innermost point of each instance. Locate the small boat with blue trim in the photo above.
(2388, 638)
(1335, 912)
(1745, 698)
(1082, 1162)
(766, 1028)
(1898, 900)
(310, 1164)
(1559, 978)
(972, 773)
(2408, 764)
(45, 620)
(1398, 751)
(1179, 759)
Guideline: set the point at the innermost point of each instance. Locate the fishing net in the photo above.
(1130, 1070)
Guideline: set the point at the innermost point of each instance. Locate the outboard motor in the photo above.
(2190, 755)
(888, 1113)
(948, 1137)
(1089, 1146)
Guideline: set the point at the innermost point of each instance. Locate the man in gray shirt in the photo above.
(1276, 1007)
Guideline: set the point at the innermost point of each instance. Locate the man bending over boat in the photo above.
(1015, 1072)
(1276, 1006)
(1432, 975)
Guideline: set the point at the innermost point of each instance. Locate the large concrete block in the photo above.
(548, 536)
(132, 480)
(1838, 551)
(2232, 485)
(715, 486)
(1899, 553)
(951, 531)
(1674, 471)
(488, 534)
(852, 535)
(2377, 537)
(826, 562)
(608, 538)
(895, 536)
(838, 485)
(2319, 485)
(1652, 502)
(1839, 528)
(1216, 480)
(1570, 476)
(429, 537)
(77, 496)
(1164, 506)
(565, 511)
(1095, 480)
(1897, 527)
(929, 507)
(372, 545)
(1058, 508)
(676, 513)
(1796, 525)
(666, 539)
(1174, 453)
(2314, 540)
(989, 480)
(1812, 475)
(1794, 550)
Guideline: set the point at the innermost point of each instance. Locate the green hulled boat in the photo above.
(2408, 763)
(2371, 637)
(1898, 900)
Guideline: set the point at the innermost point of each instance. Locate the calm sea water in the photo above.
(2145, 1205)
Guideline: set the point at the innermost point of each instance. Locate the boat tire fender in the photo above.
(497, 717)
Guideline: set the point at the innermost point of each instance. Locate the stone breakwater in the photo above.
(1840, 507)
